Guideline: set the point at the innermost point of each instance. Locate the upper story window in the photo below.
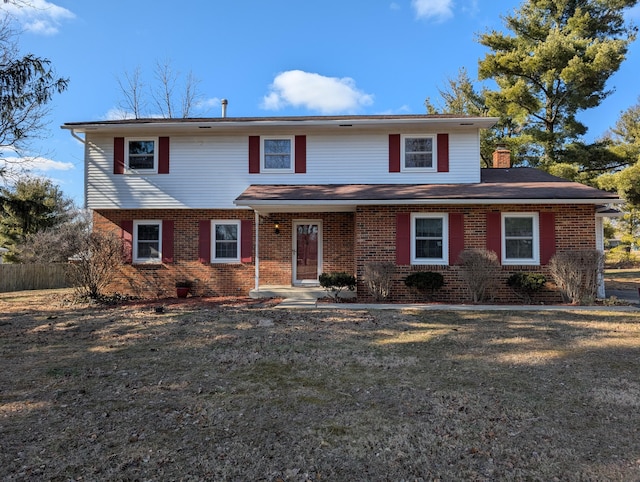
(429, 235)
(147, 241)
(418, 153)
(225, 247)
(277, 154)
(520, 238)
(141, 154)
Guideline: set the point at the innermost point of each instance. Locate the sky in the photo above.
(267, 58)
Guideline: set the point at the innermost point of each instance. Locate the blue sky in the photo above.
(268, 58)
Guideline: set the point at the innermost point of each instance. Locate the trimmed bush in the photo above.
(377, 277)
(425, 281)
(335, 283)
(525, 284)
(478, 270)
(576, 274)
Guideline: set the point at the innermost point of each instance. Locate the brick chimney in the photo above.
(501, 158)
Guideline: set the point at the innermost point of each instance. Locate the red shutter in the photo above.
(547, 237)
(118, 155)
(403, 239)
(246, 241)
(163, 155)
(301, 154)
(494, 235)
(456, 236)
(127, 240)
(443, 152)
(204, 242)
(394, 152)
(167, 241)
(254, 154)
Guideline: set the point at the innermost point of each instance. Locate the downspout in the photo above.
(76, 136)
(84, 143)
(257, 264)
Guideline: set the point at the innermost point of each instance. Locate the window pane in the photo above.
(148, 232)
(429, 227)
(148, 250)
(272, 161)
(226, 232)
(519, 248)
(141, 154)
(418, 160)
(418, 152)
(428, 248)
(420, 144)
(226, 249)
(518, 227)
(277, 153)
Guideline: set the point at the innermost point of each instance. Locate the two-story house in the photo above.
(236, 204)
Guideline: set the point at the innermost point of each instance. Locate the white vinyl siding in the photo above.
(210, 172)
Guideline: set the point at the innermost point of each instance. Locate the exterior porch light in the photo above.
(276, 227)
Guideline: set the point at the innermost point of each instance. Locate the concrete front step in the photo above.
(295, 292)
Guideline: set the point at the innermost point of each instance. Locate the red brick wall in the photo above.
(350, 241)
(275, 255)
(375, 241)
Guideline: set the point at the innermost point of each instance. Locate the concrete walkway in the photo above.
(627, 296)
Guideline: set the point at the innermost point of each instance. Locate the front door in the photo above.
(307, 252)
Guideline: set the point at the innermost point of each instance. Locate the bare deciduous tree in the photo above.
(168, 96)
(132, 89)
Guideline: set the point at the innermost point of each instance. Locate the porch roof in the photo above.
(497, 186)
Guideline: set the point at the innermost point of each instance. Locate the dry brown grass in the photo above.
(237, 391)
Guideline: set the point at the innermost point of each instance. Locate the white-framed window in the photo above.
(430, 238)
(225, 241)
(141, 154)
(147, 241)
(277, 154)
(520, 238)
(418, 153)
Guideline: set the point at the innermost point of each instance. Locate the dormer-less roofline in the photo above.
(346, 122)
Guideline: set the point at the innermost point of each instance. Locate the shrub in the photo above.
(525, 284)
(576, 274)
(95, 266)
(478, 271)
(335, 283)
(425, 281)
(377, 277)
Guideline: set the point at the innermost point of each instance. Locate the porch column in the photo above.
(257, 264)
(600, 247)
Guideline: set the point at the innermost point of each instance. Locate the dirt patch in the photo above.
(233, 389)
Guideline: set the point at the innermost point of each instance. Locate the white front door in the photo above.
(307, 252)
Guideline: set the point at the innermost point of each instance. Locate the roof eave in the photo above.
(349, 205)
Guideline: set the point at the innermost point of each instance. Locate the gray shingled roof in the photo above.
(496, 185)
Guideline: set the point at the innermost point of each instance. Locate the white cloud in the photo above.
(328, 95)
(116, 113)
(45, 165)
(433, 9)
(39, 16)
(37, 163)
